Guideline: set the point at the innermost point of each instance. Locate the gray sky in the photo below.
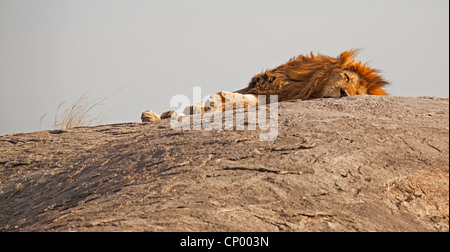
(57, 50)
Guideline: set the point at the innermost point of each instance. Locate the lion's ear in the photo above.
(348, 56)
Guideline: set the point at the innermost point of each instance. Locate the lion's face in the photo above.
(343, 83)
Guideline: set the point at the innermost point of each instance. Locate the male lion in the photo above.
(302, 77)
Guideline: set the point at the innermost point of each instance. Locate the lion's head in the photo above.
(310, 77)
(351, 77)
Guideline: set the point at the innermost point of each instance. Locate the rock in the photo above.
(359, 163)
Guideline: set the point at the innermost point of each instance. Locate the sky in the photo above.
(140, 53)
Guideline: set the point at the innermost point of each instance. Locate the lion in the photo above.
(302, 77)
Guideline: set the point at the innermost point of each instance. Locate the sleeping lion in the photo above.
(302, 77)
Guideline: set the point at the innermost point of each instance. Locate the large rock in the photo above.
(363, 163)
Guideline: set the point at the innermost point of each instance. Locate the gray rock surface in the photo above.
(362, 163)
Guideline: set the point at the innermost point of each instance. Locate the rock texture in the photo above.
(362, 163)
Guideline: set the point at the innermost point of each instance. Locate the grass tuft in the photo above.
(78, 113)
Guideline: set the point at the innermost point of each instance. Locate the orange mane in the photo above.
(310, 77)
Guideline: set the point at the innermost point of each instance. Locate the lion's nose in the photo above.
(343, 93)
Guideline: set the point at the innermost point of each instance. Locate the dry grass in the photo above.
(79, 113)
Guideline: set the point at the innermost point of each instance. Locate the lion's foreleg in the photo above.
(219, 102)
(227, 101)
(150, 116)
